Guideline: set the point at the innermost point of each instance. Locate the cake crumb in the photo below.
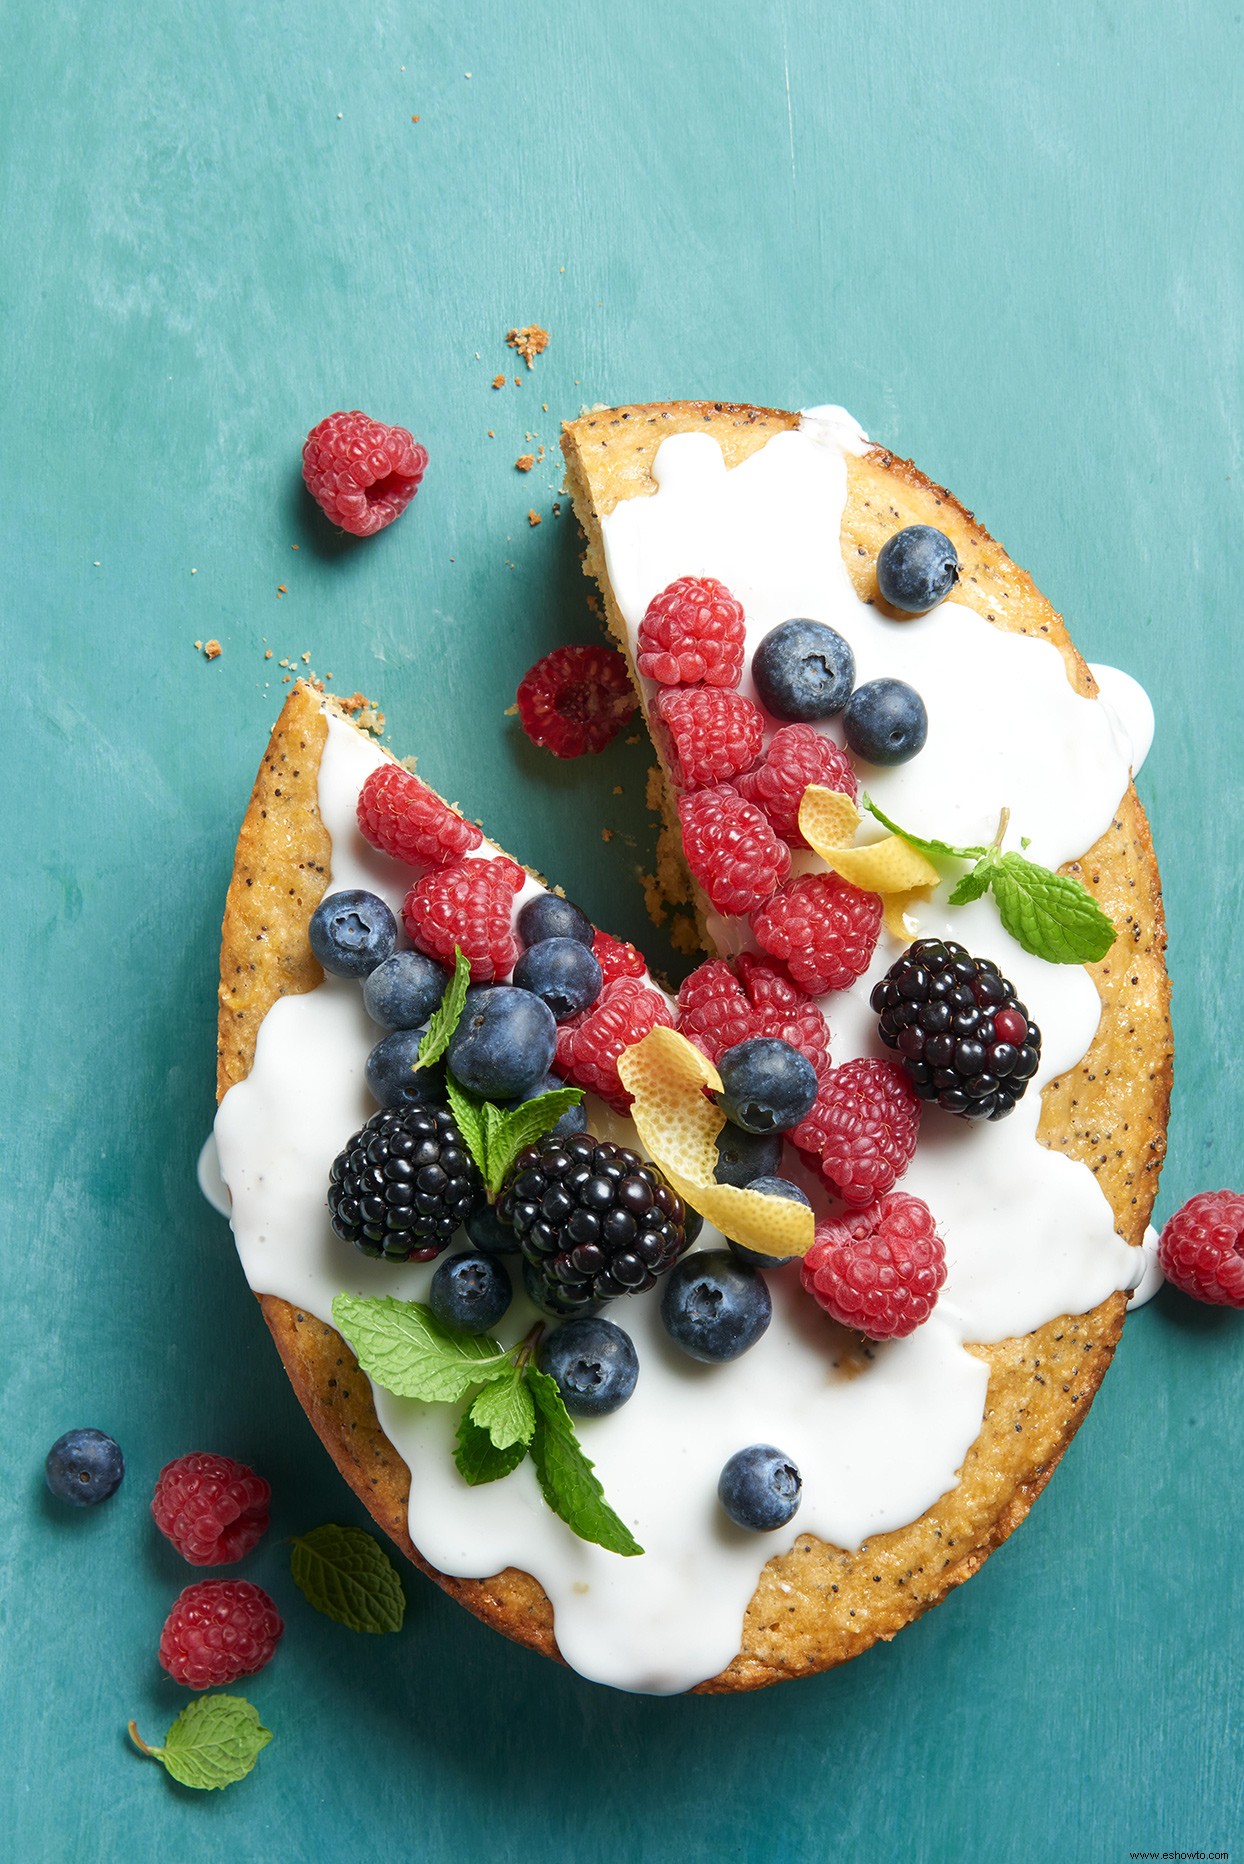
(211, 650)
(409, 763)
(306, 660)
(268, 654)
(525, 462)
(413, 119)
(498, 381)
(491, 435)
(618, 790)
(531, 341)
(606, 834)
(365, 713)
(557, 510)
(518, 381)
(511, 711)
(533, 518)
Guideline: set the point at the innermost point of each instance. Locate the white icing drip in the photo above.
(211, 1184)
(1130, 709)
(1147, 1276)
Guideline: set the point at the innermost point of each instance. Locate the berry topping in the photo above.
(1201, 1249)
(616, 958)
(393, 1077)
(885, 722)
(547, 915)
(710, 735)
(471, 906)
(564, 973)
(861, 1134)
(593, 1221)
(588, 1048)
(760, 1488)
(402, 992)
(743, 1157)
(213, 1509)
(593, 1364)
(403, 1185)
(766, 1085)
(940, 1008)
(576, 700)
(879, 1270)
(822, 928)
(573, 1120)
(404, 818)
(717, 1008)
(803, 671)
(84, 1467)
(217, 1631)
(730, 849)
(692, 632)
(503, 1043)
(470, 1292)
(769, 1186)
(361, 473)
(487, 1232)
(916, 569)
(351, 932)
(714, 1306)
(797, 757)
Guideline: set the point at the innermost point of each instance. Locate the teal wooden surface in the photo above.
(1008, 240)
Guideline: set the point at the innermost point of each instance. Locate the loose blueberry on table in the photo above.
(84, 1467)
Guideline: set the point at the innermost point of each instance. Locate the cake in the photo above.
(934, 1451)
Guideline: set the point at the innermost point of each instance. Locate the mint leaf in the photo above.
(469, 1118)
(444, 1018)
(214, 1741)
(566, 1476)
(521, 1126)
(349, 1577)
(403, 1346)
(479, 1459)
(925, 845)
(1051, 915)
(973, 883)
(505, 1410)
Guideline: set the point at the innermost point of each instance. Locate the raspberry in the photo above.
(861, 1134)
(1201, 1248)
(797, 757)
(361, 473)
(588, 1048)
(470, 905)
(822, 928)
(576, 699)
(692, 631)
(710, 735)
(879, 1270)
(717, 1009)
(218, 1630)
(731, 850)
(616, 958)
(212, 1509)
(964, 1038)
(403, 817)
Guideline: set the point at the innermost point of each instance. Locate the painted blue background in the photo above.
(1008, 240)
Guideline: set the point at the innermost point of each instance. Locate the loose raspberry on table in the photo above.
(616, 957)
(470, 905)
(880, 1270)
(730, 849)
(218, 1630)
(212, 1508)
(1201, 1249)
(861, 1134)
(403, 817)
(710, 735)
(588, 1048)
(822, 928)
(722, 1004)
(576, 700)
(797, 757)
(692, 631)
(361, 473)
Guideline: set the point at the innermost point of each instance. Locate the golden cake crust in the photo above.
(816, 1605)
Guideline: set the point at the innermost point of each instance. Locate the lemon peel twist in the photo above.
(901, 874)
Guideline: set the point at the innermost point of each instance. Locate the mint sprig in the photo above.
(349, 1577)
(444, 1018)
(515, 1409)
(1051, 915)
(214, 1741)
(495, 1136)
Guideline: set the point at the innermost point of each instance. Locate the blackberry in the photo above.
(593, 1221)
(964, 1039)
(404, 1185)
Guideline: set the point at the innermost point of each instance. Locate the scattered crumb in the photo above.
(634, 740)
(365, 712)
(531, 341)
(491, 435)
(306, 660)
(518, 381)
(413, 119)
(533, 518)
(511, 711)
(409, 763)
(557, 510)
(606, 834)
(194, 572)
(268, 655)
(593, 602)
(211, 650)
(618, 790)
(525, 462)
(281, 589)
(545, 406)
(95, 565)
(498, 381)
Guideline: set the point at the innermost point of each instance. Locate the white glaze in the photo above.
(1147, 1276)
(1029, 1235)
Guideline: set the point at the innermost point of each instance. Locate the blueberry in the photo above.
(487, 1232)
(503, 1044)
(803, 671)
(692, 1224)
(916, 569)
(573, 1120)
(714, 1307)
(84, 1467)
(767, 1086)
(402, 992)
(546, 916)
(470, 1292)
(393, 1078)
(563, 973)
(351, 932)
(743, 1156)
(760, 1488)
(593, 1363)
(885, 722)
(769, 1187)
